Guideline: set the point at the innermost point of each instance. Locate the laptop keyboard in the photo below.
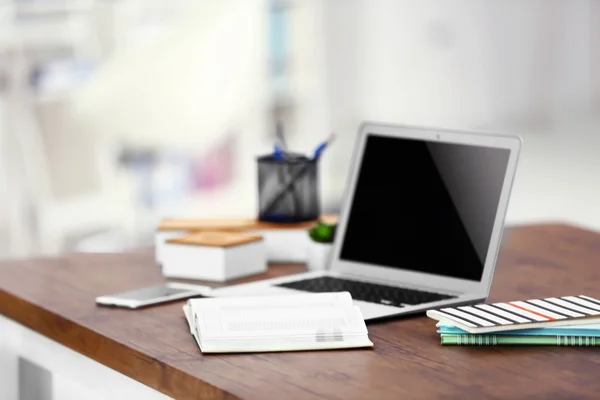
(369, 292)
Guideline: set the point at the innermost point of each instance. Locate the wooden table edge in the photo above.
(550, 224)
(18, 310)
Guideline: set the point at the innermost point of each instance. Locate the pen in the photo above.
(320, 148)
(280, 135)
(280, 153)
(296, 203)
(277, 152)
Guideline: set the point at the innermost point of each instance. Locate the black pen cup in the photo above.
(288, 189)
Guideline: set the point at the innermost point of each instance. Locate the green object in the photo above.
(516, 340)
(322, 232)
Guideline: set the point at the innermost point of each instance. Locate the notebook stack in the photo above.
(557, 321)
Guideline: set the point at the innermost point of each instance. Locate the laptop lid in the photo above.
(425, 207)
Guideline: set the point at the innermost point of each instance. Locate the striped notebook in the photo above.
(526, 314)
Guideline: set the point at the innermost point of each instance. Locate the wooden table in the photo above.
(55, 298)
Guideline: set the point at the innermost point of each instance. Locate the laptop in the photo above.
(420, 225)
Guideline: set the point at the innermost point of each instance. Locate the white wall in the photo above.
(462, 64)
(595, 51)
(469, 62)
(343, 42)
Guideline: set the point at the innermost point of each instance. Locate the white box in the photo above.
(214, 256)
(160, 239)
(285, 245)
(170, 228)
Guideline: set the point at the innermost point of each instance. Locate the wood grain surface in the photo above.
(55, 297)
(179, 224)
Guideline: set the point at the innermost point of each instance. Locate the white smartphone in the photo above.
(152, 295)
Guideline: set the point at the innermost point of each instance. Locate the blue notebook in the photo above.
(590, 330)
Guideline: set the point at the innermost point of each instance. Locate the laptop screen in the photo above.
(425, 206)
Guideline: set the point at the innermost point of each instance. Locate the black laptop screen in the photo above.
(425, 206)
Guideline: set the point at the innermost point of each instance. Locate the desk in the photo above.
(149, 353)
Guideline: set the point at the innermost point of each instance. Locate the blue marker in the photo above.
(320, 148)
(277, 152)
(280, 148)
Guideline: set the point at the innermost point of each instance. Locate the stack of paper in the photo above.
(315, 321)
(560, 321)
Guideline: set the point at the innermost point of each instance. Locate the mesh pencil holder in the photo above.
(288, 189)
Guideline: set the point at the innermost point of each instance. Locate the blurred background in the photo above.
(114, 113)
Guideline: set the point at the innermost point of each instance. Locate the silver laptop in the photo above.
(420, 225)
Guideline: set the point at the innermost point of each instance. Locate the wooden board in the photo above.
(216, 239)
(185, 224)
(233, 224)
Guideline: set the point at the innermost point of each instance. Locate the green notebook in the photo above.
(515, 340)
(573, 330)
